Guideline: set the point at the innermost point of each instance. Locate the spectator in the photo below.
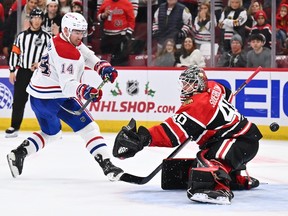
(118, 26)
(236, 57)
(189, 55)
(192, 5)
(232, 21)
(263, 27)
(10, 26)
(26, 53)
(202, 25)
(166, 57)
(64, 7)
(42, 5)
(254, 7)
(171, 20)
(282, 25)
(77, 6)
(218, 5)
(135, 4)
(260, 55)
(52, 18)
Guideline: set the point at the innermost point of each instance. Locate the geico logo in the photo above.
(261, 98)
(140, 57)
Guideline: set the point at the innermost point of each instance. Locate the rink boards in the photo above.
(151, 95)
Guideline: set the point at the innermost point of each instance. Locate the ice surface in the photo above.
(63, 179)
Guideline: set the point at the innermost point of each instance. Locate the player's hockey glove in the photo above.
(129, 142)
(85, 91)
(105, 70)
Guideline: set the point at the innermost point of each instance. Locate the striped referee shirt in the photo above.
(28, 48)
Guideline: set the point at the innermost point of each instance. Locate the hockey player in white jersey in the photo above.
(56, 83)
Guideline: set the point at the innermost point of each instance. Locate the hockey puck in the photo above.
(274, 127)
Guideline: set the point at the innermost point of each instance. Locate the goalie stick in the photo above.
(78, 112)
(246, 82)
(129, 178)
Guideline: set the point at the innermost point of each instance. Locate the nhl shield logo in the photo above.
(132, 87)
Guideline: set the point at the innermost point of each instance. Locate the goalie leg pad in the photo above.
(201, 178)
(209, 185)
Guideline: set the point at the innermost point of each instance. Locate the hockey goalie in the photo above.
(227, 140)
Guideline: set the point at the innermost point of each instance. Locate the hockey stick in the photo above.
(78, 112)
(247, 81)
(126, 177)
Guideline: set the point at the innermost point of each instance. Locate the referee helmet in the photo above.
(36, 13)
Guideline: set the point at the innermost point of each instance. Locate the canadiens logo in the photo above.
(132, 87)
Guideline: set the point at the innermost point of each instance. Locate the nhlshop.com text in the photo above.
(131, 106)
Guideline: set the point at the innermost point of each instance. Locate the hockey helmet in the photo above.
(36, 13)
(74, 21)
(192, 80)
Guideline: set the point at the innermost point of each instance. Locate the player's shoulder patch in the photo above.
(65, 50)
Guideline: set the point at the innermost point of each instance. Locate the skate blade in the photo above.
(13, 135)
(13, 169)
(203, 198)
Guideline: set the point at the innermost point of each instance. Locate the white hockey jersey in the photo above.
(60, 70)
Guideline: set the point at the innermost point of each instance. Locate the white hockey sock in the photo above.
(38, 140)
(95, 143)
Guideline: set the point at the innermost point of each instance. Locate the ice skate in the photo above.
(222, 197)
(11, 132)
(16, 159)
(240, 182)
(111, 171)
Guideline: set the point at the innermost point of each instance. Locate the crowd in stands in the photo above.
(180, 28)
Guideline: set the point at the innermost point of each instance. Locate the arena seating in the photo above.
(3, 60)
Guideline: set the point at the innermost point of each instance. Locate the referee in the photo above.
(25, 55)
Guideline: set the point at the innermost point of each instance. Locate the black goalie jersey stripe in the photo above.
(170, 134)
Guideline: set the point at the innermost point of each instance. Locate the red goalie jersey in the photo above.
(206, 117)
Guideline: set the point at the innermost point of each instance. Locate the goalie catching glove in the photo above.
(128, 141)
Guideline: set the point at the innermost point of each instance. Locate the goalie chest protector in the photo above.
(175, 173)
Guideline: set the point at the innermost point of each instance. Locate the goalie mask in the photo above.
(192, 80)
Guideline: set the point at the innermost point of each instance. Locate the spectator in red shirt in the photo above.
(118, 25)
(282, 24)
(263, 27)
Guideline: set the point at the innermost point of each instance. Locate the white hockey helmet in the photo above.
(74, 21)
